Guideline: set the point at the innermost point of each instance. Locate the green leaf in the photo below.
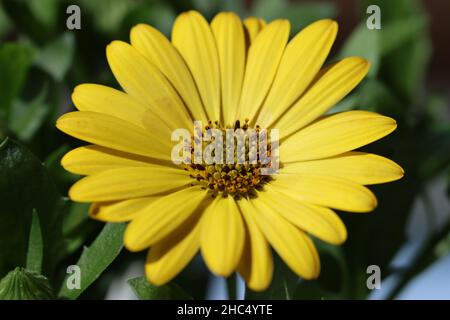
(399, 32)
(407, 67)
(95, 259)
(15, 60)
(364, 43)
(299, 14)
(77, 226)
(35, 245)
(36, 19)
(302, 14)
(22, 284)
(406, 46)
(53, 163)
(45, 11)
(144, 290)
(268, 9)
(5, 23)
(371, 95)
(56, 58)
(159, 15)
(108, 14)
(25, 185)
(27, 118)
(208, 7)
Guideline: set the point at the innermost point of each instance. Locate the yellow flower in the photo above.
(226, 72)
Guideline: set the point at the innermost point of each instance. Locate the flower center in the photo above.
(235, 166)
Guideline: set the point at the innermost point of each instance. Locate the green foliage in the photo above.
(27, 118)
(299, 14)
(96, 258)
(24, 186)
(43, 231)
(15, 61)
(35, 245)
(56, 57)
(364, 43)
(22, 284)
(146, 291)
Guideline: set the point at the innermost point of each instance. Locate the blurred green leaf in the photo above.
(15, 60)
(96, 258)
(395, 10)
(25, 185)
(22, 284)
(364, 43)
(302, 14)
(77, 226)
(56, 58)
(76, 216)
(5, 23)
(299, 14)
(27, 118)
(406, 46)
(396, 33)
(34, 18)
(208, 7)
(435, 147)
(159, 15)
(268, 9)
(35, 245)
(372, 95)
(53, 164)
(45, 11)
(109, 14)
(144, 290)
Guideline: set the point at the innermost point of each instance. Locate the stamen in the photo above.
(235, 179)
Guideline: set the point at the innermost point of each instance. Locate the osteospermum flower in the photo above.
(227, 74)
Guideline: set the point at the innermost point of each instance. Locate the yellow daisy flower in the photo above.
(227, 74)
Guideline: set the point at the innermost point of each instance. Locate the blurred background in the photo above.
(408, 235)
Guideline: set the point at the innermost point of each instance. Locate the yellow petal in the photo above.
(253, 26)
(326, 191)
(119, 211)
(229, 34)
(125, 183)
(302, 59)
(113, 133)
(223, 236)
(256, 265)
(318, 221)
(335, 134)
(192, 36)
(169, 256)
(333, 84)
(143, 81)
(263, 59)
(161, 53)
(292, 244)
(102, 99)
(359, 167)
(93, 159)
(162, 217)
